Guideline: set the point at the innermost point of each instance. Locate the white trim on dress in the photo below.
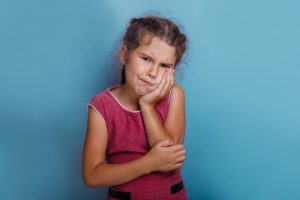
(132, 111)
(96, 111)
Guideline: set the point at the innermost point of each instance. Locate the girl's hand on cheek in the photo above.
(160, 91)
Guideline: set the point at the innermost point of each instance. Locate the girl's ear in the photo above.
(124, 55)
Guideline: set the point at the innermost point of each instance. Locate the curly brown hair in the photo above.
(162, 28)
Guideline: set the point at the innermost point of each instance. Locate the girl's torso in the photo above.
(127, 141)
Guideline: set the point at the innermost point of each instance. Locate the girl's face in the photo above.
(145, 65)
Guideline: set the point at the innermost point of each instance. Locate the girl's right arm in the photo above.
(96, 173)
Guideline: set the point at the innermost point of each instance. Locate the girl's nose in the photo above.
(153, 72)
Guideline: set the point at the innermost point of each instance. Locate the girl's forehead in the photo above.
(157, 48)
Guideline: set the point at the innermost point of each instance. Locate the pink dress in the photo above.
(127, 141)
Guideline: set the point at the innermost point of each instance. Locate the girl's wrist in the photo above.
(146, 108)
(147, 164)
(144, 105)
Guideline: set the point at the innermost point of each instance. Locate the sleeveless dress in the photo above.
(127, 141)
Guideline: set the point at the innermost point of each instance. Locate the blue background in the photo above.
(241, 80)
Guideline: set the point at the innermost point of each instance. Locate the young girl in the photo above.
(138, 126)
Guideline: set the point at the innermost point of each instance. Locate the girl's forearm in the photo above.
(155, 130)
(105, 175)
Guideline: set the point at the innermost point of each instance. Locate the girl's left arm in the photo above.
(174, 126)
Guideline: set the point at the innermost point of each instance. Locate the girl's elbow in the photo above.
(92, 183)
(89, 184)
(88, 180)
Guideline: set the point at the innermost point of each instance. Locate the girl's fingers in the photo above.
(162, 83)
(171, 80)
(164, 76)
(165, 83)
(180, 153)
(176, 148)
(172, 77)
(180, 159)
(168, 82)
(177, 165)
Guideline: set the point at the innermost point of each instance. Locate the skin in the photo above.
(149, 73)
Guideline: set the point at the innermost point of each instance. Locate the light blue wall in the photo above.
(241, 81)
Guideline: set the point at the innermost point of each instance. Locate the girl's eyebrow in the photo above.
(169, 64)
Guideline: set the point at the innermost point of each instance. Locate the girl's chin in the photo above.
(144, 90)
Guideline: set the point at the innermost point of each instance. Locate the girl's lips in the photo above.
(147, 83)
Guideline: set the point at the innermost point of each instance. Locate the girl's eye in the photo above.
(146, 59)
(163, 65)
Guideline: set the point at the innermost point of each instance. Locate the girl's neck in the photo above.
(128, 98)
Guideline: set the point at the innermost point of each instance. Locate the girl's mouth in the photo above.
(147, 83)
